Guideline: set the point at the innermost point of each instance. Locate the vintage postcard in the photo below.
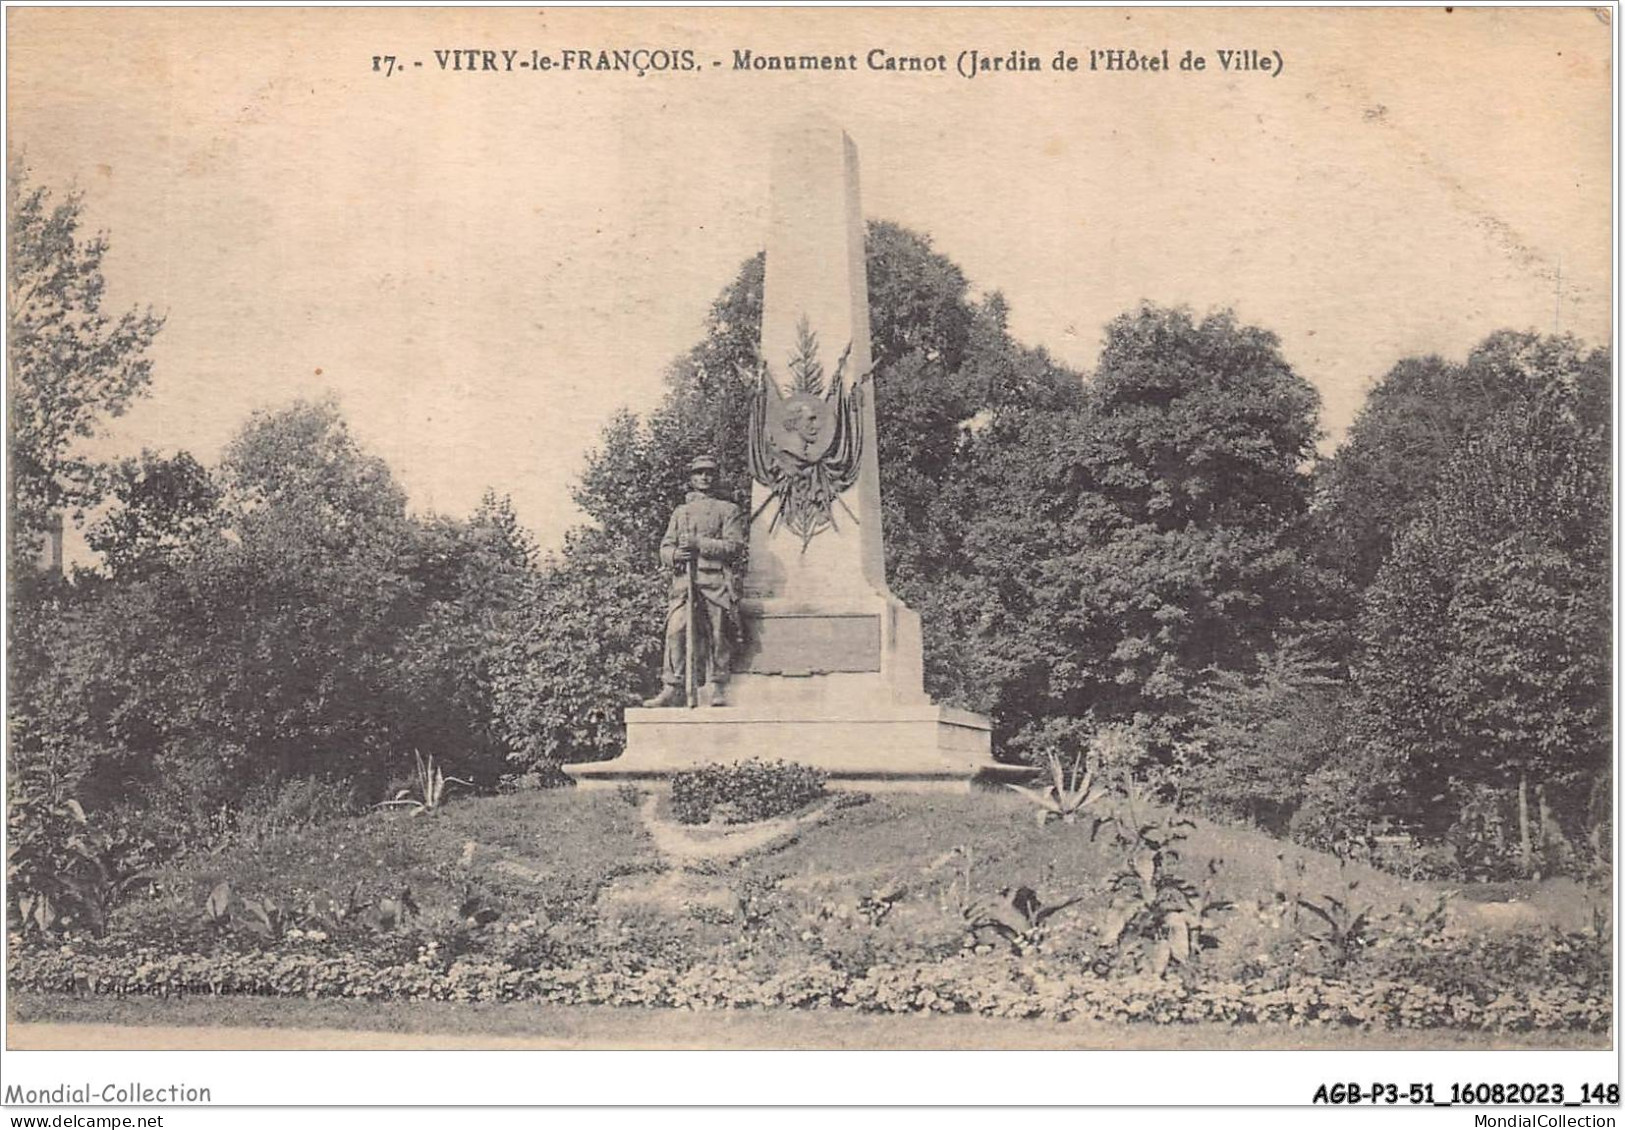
(870, 529)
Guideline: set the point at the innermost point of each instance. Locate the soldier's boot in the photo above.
(668, 696)
(719, 694)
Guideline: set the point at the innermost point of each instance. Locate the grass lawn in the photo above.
(40, 1021)
(541, 849)
(571, 856)
(571, 880)
(897, 832)
(554, 851)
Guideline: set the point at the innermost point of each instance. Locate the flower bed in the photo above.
(987, 985)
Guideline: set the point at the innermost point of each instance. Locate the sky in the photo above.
(483, 266)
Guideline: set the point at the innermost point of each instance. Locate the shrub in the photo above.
(303, 626)
(1489, 965)
(1341, 801)
(1036, 741)
(1157, 916)
(1411, 859)
(1258, 737)
(744, 791)
(62, 870)
(1485, 834)
(191, 794)
(586, 641)
(198, 802)
(280, 808)
(1346, 926)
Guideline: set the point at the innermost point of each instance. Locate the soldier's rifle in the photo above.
(693, 567)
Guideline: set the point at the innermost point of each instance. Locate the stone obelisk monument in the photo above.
(828, 672)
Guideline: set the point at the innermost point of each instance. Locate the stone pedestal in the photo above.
(829, 671)
(867, 746)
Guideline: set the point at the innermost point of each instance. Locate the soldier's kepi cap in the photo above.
(701, 463)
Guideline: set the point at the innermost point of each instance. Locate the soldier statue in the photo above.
(703, 542)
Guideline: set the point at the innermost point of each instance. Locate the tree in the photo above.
(1198, 424)
(958, 402)
(303, 597)
(160, 505)
(1486, 631)
(72, 363)
(586, 647)
(640, 468)
(1159, 530)
(476, 582)
(280, 617)
(251, 620)
(1412, 420)
(94, 690)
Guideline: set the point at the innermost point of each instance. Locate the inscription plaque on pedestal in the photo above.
(808, 644)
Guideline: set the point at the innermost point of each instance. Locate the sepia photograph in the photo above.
(879, 530)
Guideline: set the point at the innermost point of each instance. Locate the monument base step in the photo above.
(864, 746)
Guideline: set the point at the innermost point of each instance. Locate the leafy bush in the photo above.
(1015, 916)
(1485, 834)
(1157, 914)
(1340, 800)
(281, 618)
(1019, 917)
(356, 920)
(62, 871)
(1258, 737)
(1039, 740)
(197, 802)
(744, 791)
(1346, 927)
(1495, 964)
(283, 807)
(1419, 862)
(195, 795)
(586, 644)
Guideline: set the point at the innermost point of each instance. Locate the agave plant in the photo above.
(427, 793)
(1071, 790)
(217, 907)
